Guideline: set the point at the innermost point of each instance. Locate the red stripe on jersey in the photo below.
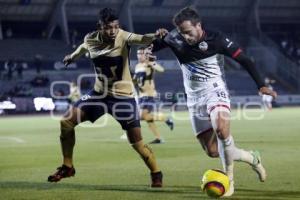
(219, 105)
(236, 53)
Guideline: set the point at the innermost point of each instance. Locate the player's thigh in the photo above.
(220, 118)
(125, 111)
(145, 114)
(147, 103)
(134, 135)
(90, 106)
(218, 108)
(75, 115)
(199, 118)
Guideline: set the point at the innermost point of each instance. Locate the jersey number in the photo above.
(222, 94)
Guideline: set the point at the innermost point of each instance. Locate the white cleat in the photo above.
(124, 136)
(230, 191)
(258, 167)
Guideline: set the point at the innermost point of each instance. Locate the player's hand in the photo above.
(268, 91)
(67, 60)
(151, 58)
(160, 33)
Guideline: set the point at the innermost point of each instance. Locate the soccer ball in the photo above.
(215, 183)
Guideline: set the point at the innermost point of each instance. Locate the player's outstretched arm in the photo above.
(232, 49)
(68, 59)
(249, 65)
(157, 67)
(146, 39)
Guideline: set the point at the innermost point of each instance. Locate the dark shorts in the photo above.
(147, 103)
(123, 109)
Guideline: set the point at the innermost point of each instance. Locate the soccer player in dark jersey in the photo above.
(200, 54)
(108, 48)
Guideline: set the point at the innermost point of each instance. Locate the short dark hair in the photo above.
(107, 15)
(186, 14)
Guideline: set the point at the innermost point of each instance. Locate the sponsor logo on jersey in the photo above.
(197, 78)
(203, 46)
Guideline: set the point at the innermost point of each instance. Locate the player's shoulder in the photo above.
(212, 34)
(217, 37)
(91, 35)
(124, 34)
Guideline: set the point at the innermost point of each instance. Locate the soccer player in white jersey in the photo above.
(200, 54)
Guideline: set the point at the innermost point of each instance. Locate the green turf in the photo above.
(107, 168)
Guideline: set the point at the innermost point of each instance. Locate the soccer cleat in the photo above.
(156, 141)
(62, 172)
(156, 179)
(258, 167)
(170, 123)
(230, 190)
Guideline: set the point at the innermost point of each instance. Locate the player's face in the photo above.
(141, 55)
(111, 29)
(191, 33)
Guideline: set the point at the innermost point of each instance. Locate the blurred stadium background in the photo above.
(36, 34)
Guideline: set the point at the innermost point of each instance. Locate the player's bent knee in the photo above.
(221, 128)
(147, 117)
(212, 154)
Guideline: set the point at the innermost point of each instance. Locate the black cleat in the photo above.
(170, 123)
(157, 180)
(62, 172)
(156, 141)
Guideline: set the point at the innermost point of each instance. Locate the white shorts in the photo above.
(267, 98)
(201, 107)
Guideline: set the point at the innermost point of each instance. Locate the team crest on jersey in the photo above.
(203, 46)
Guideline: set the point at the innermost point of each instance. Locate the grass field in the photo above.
(107, 167)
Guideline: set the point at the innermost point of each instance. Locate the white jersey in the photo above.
(203, 75)
(202, 64)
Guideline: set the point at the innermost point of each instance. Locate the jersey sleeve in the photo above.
(81, 50)
(233, 50)
(229, 47)
(137, 39)
(159, 44)
(157, 67)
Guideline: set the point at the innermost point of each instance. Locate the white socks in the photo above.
(229, 152)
